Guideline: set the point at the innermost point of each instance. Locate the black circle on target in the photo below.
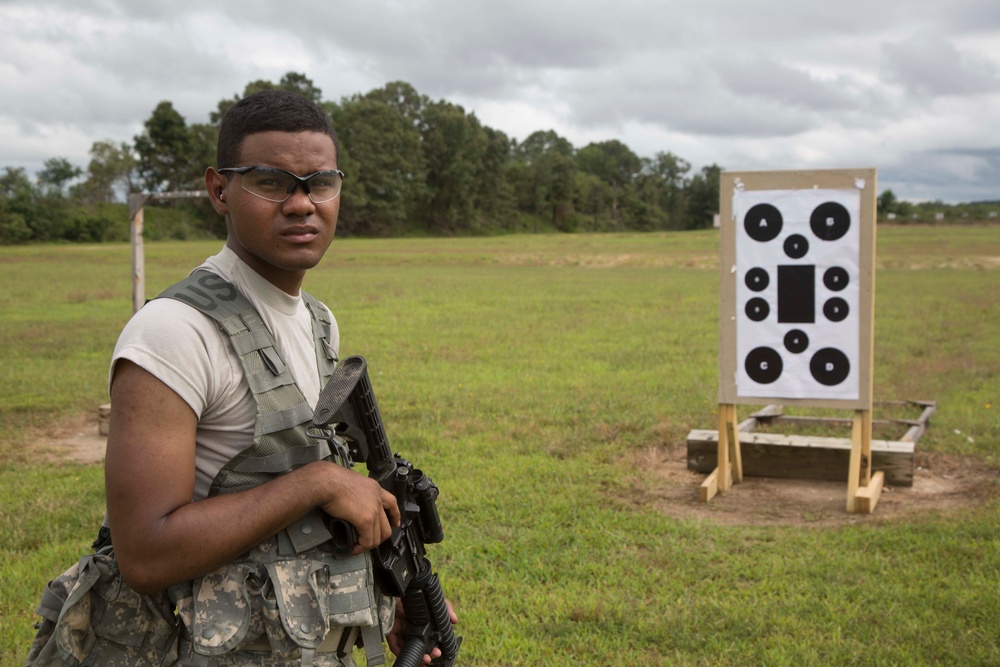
(763, 365)
(757, 309)
(835, 278)
(796, 246)
(836, 309)
(763, 223)
(757, 279)
(830, 221)
(829, 366)
(796, 341)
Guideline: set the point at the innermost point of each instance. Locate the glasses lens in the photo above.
(277, 185)
(272, 184)
(324, 186)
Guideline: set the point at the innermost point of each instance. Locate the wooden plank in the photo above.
(804, 441)
(765, 415)
(735, 455)
(836, 421)
(769, 411)
(710, 487)
(925, 417)
(868, 496)
(722, 448)
(103, 419)
(801, 457)
(854, 465)
(135, 203)
(773, 416)
(866, 446)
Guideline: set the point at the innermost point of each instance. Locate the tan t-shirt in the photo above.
(185, 350)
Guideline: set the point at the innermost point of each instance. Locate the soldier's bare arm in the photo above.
(162, 538)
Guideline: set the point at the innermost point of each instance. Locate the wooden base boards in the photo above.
(739, 450)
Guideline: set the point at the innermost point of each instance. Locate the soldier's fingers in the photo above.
(391, 507)
(384, 527)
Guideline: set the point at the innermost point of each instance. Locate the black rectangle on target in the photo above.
(797, 294)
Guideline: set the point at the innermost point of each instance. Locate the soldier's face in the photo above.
(281, 240)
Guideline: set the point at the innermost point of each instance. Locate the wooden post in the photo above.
(729, 440)
(135, 204)
(725, 474)
(730, 459)
(136, 201)
(854, 466)
(863, 488)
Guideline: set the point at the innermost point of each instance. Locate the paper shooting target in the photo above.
(797, 296)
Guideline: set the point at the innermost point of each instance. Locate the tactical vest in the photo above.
(286, 594)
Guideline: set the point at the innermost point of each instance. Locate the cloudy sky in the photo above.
(911, 87)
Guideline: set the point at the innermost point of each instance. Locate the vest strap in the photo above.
(272, 422)
(284, 460)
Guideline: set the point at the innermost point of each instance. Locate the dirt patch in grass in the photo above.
(76, 440)
(942, 483)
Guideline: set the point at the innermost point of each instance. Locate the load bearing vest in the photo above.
(293, 576)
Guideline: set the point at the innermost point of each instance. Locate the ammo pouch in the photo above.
(91, 617)
(290, 606)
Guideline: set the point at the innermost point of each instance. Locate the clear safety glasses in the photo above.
(277, 185)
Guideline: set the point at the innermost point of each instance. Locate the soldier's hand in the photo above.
(364, 504)
(397, 636)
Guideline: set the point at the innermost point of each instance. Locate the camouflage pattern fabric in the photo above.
(264, 659)
(292, 602)
(88, 611)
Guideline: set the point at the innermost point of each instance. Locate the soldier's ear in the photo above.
(215, 185)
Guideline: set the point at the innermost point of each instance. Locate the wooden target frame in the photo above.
(783, 238)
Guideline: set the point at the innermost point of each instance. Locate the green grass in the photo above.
(524, 373)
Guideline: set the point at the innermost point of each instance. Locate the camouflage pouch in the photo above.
(91, 617)
(314, 595)
(226, 608)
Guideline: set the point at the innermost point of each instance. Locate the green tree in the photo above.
(495, 201)
(18, 206)
(166, 151)
(887, 202)
(111, 170)
(56, 173)
(592, 199)
(451, 147)
(292, 81)
(702, 198)
(661, 184)
(381, 155)
(615, 164)
(301, 84)
(546, 176)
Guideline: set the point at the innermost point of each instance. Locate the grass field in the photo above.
(524, 374)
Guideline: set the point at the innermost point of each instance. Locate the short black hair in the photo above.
(268, 111)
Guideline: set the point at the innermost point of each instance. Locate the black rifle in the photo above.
(401, 567)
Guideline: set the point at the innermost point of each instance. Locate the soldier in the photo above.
(188, 397)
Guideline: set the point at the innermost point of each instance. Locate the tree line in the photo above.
(415, 166)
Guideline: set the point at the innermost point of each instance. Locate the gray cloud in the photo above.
(769, 84)
(928, 65)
